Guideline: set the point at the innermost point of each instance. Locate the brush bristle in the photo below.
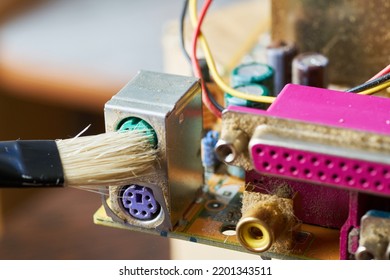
(106, 159)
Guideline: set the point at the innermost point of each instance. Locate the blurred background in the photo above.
(60, 61)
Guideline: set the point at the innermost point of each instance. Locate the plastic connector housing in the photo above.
(324, 161)
(134, 123)
(140, 202)
(322, 168)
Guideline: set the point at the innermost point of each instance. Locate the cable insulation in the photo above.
(371, 86)
(211, 63)
(182, 37)
(376, 89)
(205, 97)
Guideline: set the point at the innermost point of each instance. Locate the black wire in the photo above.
(370, 84)
(205, 76)
(212, 100)
(182, 40)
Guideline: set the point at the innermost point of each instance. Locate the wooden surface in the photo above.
(57, 224)
(1, 217)
(30, 119)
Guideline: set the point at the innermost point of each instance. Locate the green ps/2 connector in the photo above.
(134, 123)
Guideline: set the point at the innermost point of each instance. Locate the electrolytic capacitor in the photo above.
(251, 89)
(310, 69)
(253, 73)
(280, 57)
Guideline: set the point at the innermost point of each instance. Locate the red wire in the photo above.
(195, 62)
(381, 73)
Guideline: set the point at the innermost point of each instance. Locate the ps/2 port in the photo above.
(139, 202)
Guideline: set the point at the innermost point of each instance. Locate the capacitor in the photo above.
(280, 57)
(252, 89)
(253, 73)
(208, 156)
(310, 69)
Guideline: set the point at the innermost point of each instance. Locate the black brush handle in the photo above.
(31, 163)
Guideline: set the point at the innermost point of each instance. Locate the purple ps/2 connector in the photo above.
(140, 203)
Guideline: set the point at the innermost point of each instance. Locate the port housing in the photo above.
(171, 106)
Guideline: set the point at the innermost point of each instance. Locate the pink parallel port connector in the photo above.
(343, 172)
(344, 167)
(310, 166)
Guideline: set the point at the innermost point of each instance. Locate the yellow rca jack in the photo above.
(254, 234)
(265, 221)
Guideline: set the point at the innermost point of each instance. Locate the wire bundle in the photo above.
(378, 82)
(198, 36)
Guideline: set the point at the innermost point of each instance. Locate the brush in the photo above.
(110, 158)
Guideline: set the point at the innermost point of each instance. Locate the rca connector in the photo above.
(266, 220)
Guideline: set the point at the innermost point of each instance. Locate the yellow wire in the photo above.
(375, 89)
(213, 69)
